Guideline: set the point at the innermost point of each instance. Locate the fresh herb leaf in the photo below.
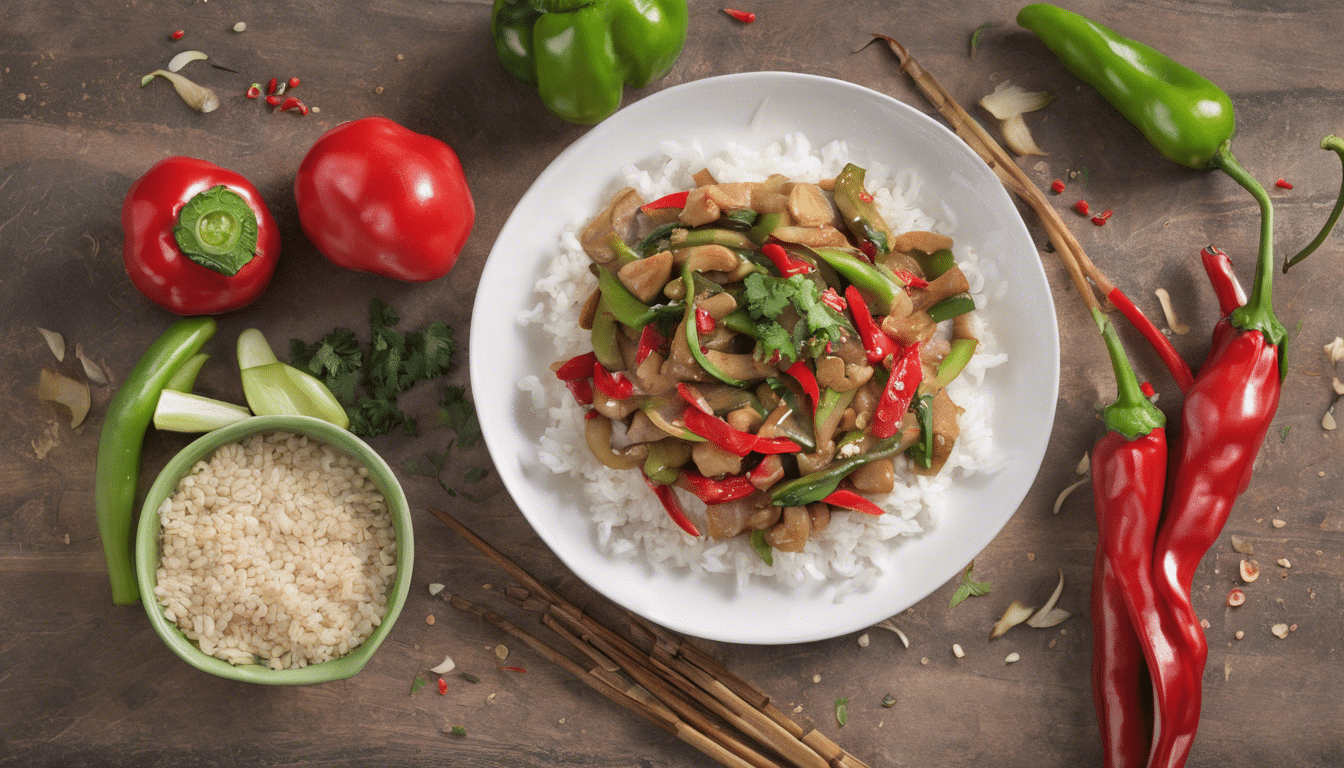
(459, 414)
(475, 474)
(459, 731)
(1283, 433)
(968, 587)
(766, 300)
(763, 549)
(418, 683)
(842, 711)
(980, 30)
(888, 701)
(470, 678)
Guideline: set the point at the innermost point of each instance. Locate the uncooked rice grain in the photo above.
(628, 522)
(278, 550)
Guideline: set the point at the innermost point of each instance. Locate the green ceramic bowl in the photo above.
(147, 549)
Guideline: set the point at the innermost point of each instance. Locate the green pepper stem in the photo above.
(1336, 144)
(1257, 314)
(217, 230)
(1132, 414)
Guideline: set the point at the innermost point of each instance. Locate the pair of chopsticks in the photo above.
(662, 678)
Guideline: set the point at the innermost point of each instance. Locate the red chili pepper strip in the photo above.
(852, 500)
(1081, 207)
(1100, 221)
(577, 367)
(802, 374)
(582, 389)
(1148, 390)
(732, 439)
(906, 375)
(674, 200)
(178, 34)
(512, 669)
(876, 343)
(272, 85)
(1176, 365)
(293, 82)
(693, 398)
(443, 687)
(1218, 266)
(650, 341)
(673, 507)
(613, 385)
(746, 17)
(273, 100)
(910, 279)
(1281, 184)
(290, 103)
(787, 266)
(832, 299)
(704, 323)
(711, 491)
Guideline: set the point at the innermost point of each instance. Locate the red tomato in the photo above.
(376, 197)
(199, 239)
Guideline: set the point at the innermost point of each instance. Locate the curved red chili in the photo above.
(899, 392)
(716, 491)
(877, 345)
(802, 374)
(1180, 370)
(668, 499)
(199, 238)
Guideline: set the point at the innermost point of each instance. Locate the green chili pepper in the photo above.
(935, 264)
(581, 53)
(857, 209)
(693, 335)
(714, 236)
(626, 306)
(877, 283)
(184, 378)
(1181, 113)
(603, 336)
(665, 459)
(954, 362)
(951, 307)
(128, 417)
(620, 250)
(804, 490)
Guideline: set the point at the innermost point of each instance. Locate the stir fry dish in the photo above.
(771, 347)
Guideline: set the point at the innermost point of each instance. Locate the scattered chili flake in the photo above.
(254, 91)
(1101, 218)
(513, 669)
(1148, 390)
(1281, 184)
(273, 100)
(293, 82)
(1057, 186)
(1081, 207)
(833, 300)
(443, 687)
(704, 323)
(271, 86)
(865, 197)
(746, 17)
(178, 33)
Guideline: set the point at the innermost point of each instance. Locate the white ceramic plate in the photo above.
(757, 109)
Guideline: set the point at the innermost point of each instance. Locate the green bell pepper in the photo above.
(581, 53)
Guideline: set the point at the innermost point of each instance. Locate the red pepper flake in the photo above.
(577, 367)
(704, 323)
(1101, 218)
(911, 279)
(178, 34)
(650, 341)
(589, 415)
(443, 687)
(1281, 184)
(1081, 207)
(513, 669)
(1057, 186)
(746, 17)
(293, 82)
(254, 91)
(271, 86)
(1148, 390)
(869, 250)
(864, 196)
(833, 300)
(582, 389)
(852, 500)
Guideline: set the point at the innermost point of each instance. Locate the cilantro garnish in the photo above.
(459, 415)
(813, 322)
(968, 587)
(368, 383)
(418, 683)
(842, 711)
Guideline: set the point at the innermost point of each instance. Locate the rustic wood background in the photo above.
(83, 683)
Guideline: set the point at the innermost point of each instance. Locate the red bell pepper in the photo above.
(851, 500)
(650, 341)
(668, 499)
(734, 440)
(712, 491)
(876, 343)
(786, 264)
(899, 392)
(376, 197)
(577, 367)
(582, 389)
(802, 374)
(199, 238)
(613, 385)
(674, 200)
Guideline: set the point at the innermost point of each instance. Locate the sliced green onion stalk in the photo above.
(951, 307)
(184, 378)
(179, 411)
(275, 388)
(954, 362)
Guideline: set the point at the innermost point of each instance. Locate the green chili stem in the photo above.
(1257, 314)
(1336, 144)
(1132, 414)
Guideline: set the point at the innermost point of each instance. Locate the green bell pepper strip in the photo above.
(693, 336)
(118, 468)
(954, 362)
(857, 209)
(765, 224)
(951, 307)
(713, 236)
(804, 490)
(624, 304)
(603, 337)
(275, 388)
(935, 264)
(1182, 114)
(184, 378)
(580, 54)
(876, 282)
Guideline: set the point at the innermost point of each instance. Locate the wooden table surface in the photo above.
(83, 683)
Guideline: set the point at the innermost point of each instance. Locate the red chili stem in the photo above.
(1176, 365)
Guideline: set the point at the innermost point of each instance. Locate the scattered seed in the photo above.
(816, 678)
(1204, 623)
(1242, 546)
(293, 82)
(23, 97)
(1279, 630)
(240, 27)
(1328, 420)
(400, 57)
(1236, 597)
(1031, 557)
(430, 619)
(1277, 523)
(1084, 465)
(1249, 571)
(1064, 494)
(863, 640)
(1292, 627)
(435, 589)
(1012, 657)
(957, 651)
(1239, 635)
(1053, 642)
(378, 89)
(501, 652)
(1283, 563)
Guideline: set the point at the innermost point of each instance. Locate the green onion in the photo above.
(184, 378)
(842, 711)
(274, 388)
(185, 412)
(951, 307)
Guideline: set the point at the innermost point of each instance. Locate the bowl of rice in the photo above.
(277, 550)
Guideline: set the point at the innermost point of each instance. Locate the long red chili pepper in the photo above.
(902, 385)
(807, 380)
(1218, 266)
(1180, 370)
(786, 264)
(674, 200)
(716, 491)
(876, 343)
(668, 499)
(734, 440)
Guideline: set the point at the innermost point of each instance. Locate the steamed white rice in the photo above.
(629, 522)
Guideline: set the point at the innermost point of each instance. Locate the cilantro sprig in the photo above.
(813, 323)
(459, 415)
